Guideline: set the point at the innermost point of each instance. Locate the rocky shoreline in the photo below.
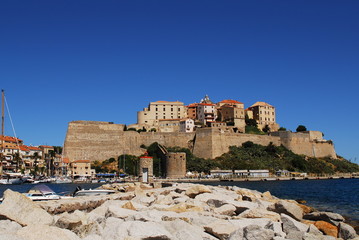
(178, 211)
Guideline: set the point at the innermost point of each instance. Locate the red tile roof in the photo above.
(44, 146)
(34, 148)
(81, 161)
(66, 160)
(230, 101)
(10, 139)
(193, 105)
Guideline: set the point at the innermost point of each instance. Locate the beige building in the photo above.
(80, 168)
(232, 111)
(169, 125)
(264, 114)
(160, 110)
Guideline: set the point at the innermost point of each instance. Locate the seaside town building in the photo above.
(264, 114)
(80, 169)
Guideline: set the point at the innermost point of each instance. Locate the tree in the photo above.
(282, 129)
(266, 129)
(301, 128)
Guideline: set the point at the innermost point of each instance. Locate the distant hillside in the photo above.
(254, 156)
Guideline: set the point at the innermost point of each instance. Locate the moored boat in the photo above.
(43, 193)
(9, 178)
(91, 192)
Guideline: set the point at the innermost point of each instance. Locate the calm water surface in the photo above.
(334, 195)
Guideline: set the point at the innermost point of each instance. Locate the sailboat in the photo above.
(6, 178)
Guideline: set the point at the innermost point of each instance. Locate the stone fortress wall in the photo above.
(90, 140)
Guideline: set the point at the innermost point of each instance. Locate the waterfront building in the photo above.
(264, 114)
(80, 169)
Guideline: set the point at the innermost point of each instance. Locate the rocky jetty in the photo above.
(178, 211)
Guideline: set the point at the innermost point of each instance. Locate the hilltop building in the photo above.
(160, 110)
(264, 114)
(232, 112)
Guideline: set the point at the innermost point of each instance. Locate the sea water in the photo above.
(333, 195)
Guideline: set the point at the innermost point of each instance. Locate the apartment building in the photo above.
(206, 112)
(160, 110)
(264, 114)
(80, 168)
(232, 111)
(186, 125)
(192, 111)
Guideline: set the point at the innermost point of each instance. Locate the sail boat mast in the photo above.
(2, 127)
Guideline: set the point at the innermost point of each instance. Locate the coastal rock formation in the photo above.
(176, 212)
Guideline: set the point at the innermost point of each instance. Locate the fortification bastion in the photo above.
(92, 140)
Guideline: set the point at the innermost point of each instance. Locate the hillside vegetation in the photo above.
(253, 156)
(249, 156)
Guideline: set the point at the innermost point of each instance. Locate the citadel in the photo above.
(208, 129)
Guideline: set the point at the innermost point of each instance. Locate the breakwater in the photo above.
(168, 211)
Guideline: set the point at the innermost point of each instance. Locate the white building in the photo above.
(206, 112)
(186, 125)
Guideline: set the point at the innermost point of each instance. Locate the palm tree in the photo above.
(36, 157)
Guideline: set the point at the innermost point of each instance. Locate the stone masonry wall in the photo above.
(88, 140)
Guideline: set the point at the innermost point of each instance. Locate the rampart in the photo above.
(103, 140)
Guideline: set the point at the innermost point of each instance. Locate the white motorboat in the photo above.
(42, 193)
(91, 192)
(63, 180)
(10, 178)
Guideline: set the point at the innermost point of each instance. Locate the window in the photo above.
(171, 109)
(156, 109)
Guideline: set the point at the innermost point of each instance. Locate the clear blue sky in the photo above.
(105, 60)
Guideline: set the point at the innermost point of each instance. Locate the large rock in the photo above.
(196, 190)
(333, 218)
(44, 232)
(112, 229)
(10, 236)
(184, 207)
(146, 230)
(242, 206)
(327, 228)
(79, 223)
(221, 229)
(292, 225)
(255, 232)
(346, 231)
(227, 209)
(260, 213)
(182, 230)
(17, 207)
(288, 208)
(7, 226)
(115, 210)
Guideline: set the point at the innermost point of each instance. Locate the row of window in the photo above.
(267, 119)
(265, 112)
